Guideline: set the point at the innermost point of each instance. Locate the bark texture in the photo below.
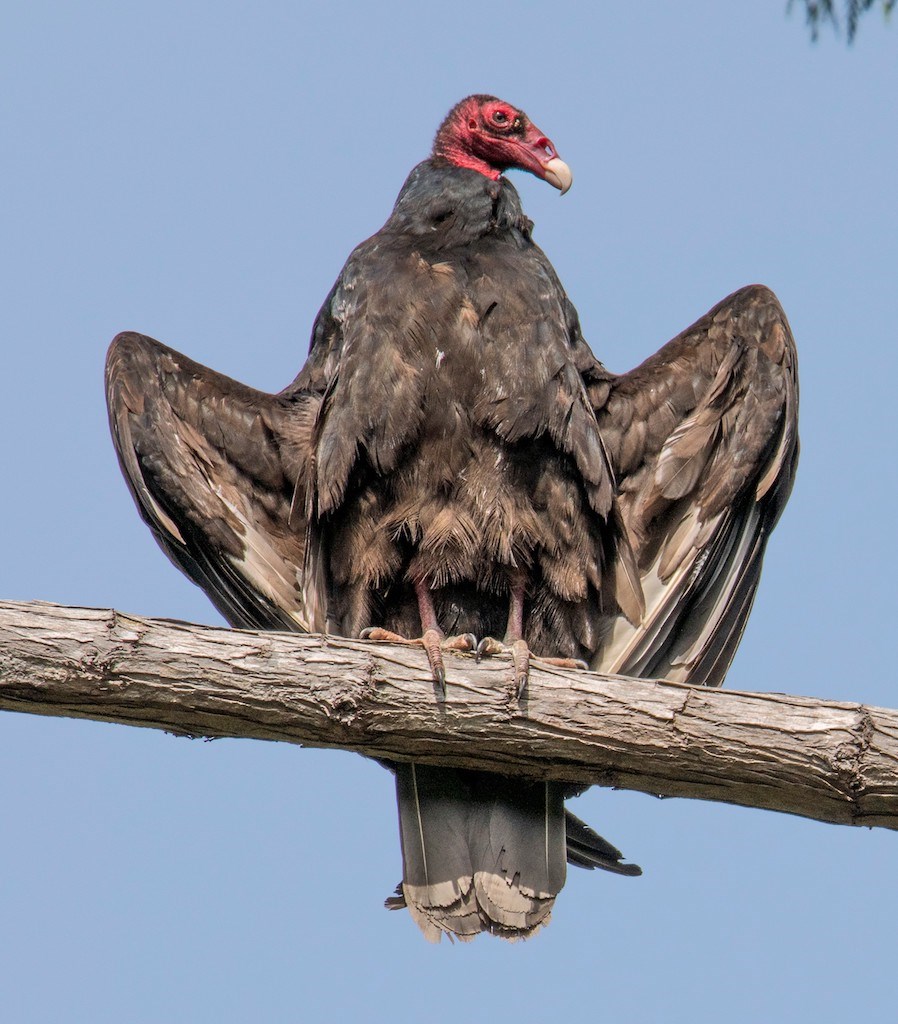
(832, 761)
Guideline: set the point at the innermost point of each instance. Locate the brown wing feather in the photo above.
(703, 438)
(214, 468)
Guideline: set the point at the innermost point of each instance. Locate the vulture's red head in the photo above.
(488, 135)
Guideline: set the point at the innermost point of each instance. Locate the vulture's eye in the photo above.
(500, 117)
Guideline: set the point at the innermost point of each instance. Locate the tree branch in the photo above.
(835, 762)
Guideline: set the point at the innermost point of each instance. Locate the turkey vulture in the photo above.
(453, 465)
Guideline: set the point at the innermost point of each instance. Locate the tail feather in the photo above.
(438, 913)
(518, 849)
(480, 852)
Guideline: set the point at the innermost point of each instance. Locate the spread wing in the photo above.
(703, 437)
(215, 469)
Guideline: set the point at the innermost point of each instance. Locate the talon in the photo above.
(520, 652)
(576, 663)
(383, 635)
(462, 642)
(489, 646)
(432, 642)
(439, 677)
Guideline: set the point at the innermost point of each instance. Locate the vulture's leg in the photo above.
(514, 639)
(432, 639)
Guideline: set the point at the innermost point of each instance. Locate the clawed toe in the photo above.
(576, 663)
(520, 654)
(489, 646)
(433, 642)
(465, 642)
(522, 657)
(384, 636)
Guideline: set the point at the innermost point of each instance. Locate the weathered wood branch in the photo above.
(836, 762)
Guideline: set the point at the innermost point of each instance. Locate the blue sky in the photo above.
(199, 172)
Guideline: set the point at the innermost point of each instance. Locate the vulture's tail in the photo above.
(482, 852)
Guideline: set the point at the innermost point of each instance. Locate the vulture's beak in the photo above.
(557, 173)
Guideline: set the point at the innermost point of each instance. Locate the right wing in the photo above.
(219, 473)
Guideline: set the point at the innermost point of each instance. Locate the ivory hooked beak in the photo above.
(557, 173)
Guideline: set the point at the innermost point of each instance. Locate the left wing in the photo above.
(703, 437)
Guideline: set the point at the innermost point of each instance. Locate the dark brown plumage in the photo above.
(453, 460)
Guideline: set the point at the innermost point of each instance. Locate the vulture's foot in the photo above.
(522, 656)
(434, 643)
